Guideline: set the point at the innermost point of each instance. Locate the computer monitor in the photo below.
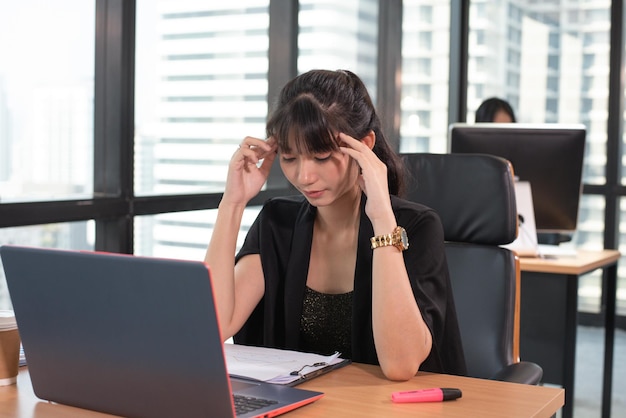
(549, 156)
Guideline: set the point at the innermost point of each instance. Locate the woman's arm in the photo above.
(238, 288)
(402, 339)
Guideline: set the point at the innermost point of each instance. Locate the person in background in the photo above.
(495, 110)
(346, 265)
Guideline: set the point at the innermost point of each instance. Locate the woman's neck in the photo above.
(342, 214)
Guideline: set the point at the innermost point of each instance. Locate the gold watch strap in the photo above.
(381, 240)
(398, 238)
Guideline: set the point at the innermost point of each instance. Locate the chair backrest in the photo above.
(473, 194)
(475, 197)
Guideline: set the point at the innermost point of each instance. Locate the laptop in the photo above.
(128, 335)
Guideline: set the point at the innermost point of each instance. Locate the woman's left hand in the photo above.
(373, 178)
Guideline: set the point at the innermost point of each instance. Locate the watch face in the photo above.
(400, 238)
(405, 239)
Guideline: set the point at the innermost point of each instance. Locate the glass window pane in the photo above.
(621, 270)
(425, 68)
(46, 99)
(200, 88)
(550, 65)
(70, 236)
(183, 235)
(339, 35)
(589, 236)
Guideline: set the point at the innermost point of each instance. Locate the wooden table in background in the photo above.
(549, 317)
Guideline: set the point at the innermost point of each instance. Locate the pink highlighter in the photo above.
(426, 395)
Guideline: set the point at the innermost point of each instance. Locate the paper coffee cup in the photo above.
(9, 348)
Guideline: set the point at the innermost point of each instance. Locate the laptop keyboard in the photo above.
(245, 404)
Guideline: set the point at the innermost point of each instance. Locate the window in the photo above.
(589, 236)
(542, 59)
(425, 41)
(183, 235)
(426, 14)
(46, 100)
(554, 40)
(553, 80)
(423, 93)
(201, 87)
(340, 35)
(425, 63)
(553, 62)
(552, 106)
(552, 83)
(46, 116)
(600, 15)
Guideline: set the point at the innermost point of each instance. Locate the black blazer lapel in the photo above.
(297, 271)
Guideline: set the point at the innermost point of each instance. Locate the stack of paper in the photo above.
(272, 365)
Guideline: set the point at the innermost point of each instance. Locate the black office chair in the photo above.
(475, 197)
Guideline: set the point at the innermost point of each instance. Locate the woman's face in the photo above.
(321, 178)
(502, 117)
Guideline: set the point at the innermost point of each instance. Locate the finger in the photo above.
(249, 152)
(350, 141)
(272, 142)
(357, 155)
(250, 142)
(248, 156)
(273, 147)
(266, 165)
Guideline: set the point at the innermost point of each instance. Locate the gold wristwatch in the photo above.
(397, 238)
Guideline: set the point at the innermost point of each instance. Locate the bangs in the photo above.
(303, 127)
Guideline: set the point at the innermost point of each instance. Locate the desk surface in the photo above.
(354, 390)
(583, 262)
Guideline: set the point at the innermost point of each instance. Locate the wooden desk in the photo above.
(549, 317)
(355, 390)
(361, 390)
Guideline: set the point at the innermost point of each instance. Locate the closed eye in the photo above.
(323, 157)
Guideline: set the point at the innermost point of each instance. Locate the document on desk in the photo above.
(285, 367)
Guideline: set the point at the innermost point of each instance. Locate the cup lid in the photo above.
(7, 320)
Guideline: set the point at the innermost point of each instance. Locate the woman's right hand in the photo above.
(245, 177)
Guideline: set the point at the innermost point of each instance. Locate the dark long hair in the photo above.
(488, 109)
(316, 105)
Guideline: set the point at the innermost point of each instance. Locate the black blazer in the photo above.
(282, 235)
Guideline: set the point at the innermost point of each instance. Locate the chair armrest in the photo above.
(522, 372)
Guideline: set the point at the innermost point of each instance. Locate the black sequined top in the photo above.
(326, 323)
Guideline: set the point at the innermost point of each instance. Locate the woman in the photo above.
(328, 270)
(495, 110)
